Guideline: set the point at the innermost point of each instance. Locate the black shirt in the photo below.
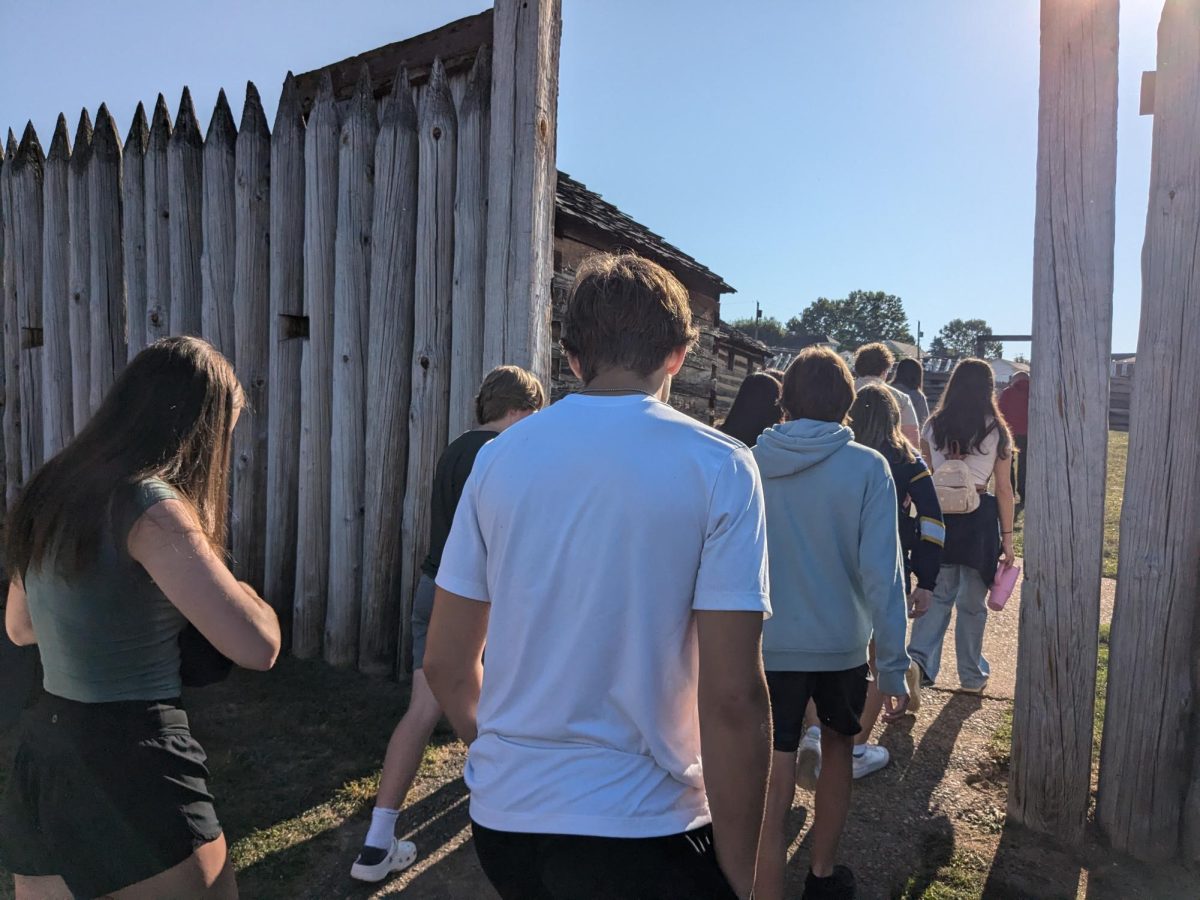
(448, 479)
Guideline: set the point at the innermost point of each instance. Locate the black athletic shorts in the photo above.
(573, 867)
(104, 794)
(838, 696)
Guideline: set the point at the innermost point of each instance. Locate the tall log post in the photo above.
(157, 214)
(185, 192)
(79, 274)
(287, 344)
(27, 176)
(12, 334)
(217, 225)
(1148, 748)
(57, 421)
(109, 350)
(133, 228)
(251, 321)
(389, 376)
(320, 231)
(521, 184)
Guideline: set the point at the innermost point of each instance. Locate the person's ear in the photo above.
(573, 362)
(675, 360)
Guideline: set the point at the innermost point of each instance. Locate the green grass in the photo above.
(963, 877)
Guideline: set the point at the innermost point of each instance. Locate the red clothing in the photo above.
(1014, 406)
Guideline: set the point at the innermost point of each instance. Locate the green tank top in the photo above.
(108, 633)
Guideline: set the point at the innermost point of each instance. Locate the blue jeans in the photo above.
(961, 587)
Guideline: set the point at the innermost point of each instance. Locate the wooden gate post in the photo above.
(57, 423)
(1148, 739)
(79, 273)
(218, 221)
(109, 351)
(1068, 414)
(133, 227)
(185, 189)
(26, 186)
(157, 212)
(12, 335)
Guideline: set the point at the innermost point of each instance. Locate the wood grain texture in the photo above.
(251, 321)
(57, 421)
(320, 230)
(79, 273)
(218, 223)
(27, 176)
(389, 378)
(434, 273)
(351, 297)
(1072, 324)
(133, 228)
(5, 229)
(107, 314)
(1149, 740)
(12, 334)
(185, 199)
(286, 350)
(157, 214)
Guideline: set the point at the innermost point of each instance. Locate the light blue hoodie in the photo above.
(834, 551)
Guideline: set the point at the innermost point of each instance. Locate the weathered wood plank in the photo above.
(157, 214)
(217, 224)
(185, 193)
(5, 279)
(133, 228)
(389, 377)
(351, 296)
(521, 184)
(320, 230)
(470, 246)
(79, 273)
(1149, 743)
(434, 273)
(286, 307)
(57, 421)
(251, 322)
(1072, 325)
(12, 335)
(107, 283)
(27, 175)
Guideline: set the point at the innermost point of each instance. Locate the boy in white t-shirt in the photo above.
(611, 552)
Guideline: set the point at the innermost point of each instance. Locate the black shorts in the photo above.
(104, 794)
(422, 611)
(838, 696)
(573, 867)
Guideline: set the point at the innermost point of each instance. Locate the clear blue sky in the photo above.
(799, 148)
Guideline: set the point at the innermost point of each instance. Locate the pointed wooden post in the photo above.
(157, 213)
(434, 272)
(521, 184)
(287, 343)
(1149, 744)
(320, 230)
(216, 261)
(5, 277)
(133, 228)
(12, 333)
(185, 180)
(79, 274)
(251, 325)
(389, 376)
(107, 314)
(470, 246)
(27, 175)
(57, 421)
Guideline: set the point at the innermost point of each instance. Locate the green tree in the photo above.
(770, 329)
(957, 338)
(857, 319)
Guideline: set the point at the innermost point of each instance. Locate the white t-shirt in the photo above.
(980, 462)
(594, 529)
(908, 414)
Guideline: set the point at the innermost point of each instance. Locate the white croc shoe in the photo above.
(374, 864)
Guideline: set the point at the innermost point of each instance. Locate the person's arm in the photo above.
(454, 658)
(173, 549)
(17, 621)
(909, 426)
(882, 575)
(735, 737)
(1002, 471)
(931, 537)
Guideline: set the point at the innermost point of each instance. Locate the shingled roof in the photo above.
(575, 201)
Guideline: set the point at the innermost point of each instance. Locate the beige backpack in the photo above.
(954, 486)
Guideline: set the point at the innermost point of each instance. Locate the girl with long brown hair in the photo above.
(114, 547)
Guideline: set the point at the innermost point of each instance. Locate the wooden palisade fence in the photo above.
(341, 260)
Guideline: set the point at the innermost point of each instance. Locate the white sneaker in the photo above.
(808, 762)
(913, 680)
(375, 864)
(872, 758)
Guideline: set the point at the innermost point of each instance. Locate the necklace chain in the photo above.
(614, 391)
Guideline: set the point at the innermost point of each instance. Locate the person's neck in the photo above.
(619, 381)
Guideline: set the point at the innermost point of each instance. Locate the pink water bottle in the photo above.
(1002, 586)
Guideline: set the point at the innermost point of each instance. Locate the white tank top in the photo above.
(981, 462)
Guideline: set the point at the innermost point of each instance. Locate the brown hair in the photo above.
(967, 412)
(755, 408)
(875, 418)
(625, 312)
(873, 359)
(818, 385)
(507, 389)
(170, 416)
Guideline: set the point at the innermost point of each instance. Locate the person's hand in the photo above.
(919, 602)
(894, 706)
(1006, 549)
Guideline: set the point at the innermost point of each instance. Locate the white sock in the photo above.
(383, 828)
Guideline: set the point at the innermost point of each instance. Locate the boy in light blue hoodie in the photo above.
(837, 577)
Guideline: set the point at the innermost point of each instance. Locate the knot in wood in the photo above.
(437, 133)
(424, 362)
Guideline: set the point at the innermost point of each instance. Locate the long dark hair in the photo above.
(967, 412)
(169, 415)
(875, 420)
(755, 408)
(909, 374)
